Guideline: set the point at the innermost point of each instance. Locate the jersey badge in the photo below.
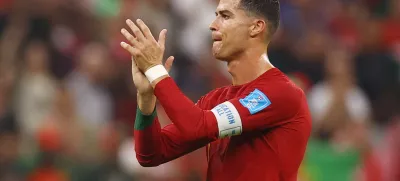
(255, 101)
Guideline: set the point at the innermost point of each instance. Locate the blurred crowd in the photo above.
(67, 102)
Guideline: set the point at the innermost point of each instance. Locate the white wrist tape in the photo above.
(155, 72)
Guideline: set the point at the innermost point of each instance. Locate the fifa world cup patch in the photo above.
(255, 101)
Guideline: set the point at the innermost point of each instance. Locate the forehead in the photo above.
(228, 5)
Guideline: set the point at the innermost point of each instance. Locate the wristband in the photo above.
(144, 121)
(155, 72)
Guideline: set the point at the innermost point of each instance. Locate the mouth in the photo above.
(216, 38)
(216, 42)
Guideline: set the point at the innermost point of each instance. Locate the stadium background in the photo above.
(67, 104)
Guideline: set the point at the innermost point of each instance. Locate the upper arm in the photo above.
(258, 108)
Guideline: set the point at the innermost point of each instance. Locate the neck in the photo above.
(249, 65)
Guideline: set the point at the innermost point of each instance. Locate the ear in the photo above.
(257, 27)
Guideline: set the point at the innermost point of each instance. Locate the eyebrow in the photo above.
(224, 12)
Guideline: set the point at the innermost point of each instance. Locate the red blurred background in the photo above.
(67, 103)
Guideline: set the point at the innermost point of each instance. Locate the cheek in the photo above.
(235, 40)
(237, 34)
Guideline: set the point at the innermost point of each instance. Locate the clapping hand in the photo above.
(146, 52)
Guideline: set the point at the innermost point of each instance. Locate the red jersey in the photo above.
(256, 131)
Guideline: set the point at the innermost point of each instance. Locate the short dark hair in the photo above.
(268, 9)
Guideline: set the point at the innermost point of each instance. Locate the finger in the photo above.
(133, 51)
(161, 39)
(169, 62)
(129, 37)
(145, 29)
(136, 31)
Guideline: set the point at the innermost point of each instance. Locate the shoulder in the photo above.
(281, 93)
(279, 87)
(277, 84)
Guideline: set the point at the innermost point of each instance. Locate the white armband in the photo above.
(228, 119)
(155, 72)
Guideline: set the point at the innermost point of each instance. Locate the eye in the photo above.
(224, 16)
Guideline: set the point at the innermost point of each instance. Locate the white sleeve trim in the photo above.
(228, 119)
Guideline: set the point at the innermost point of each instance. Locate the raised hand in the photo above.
(145, 94)
(142, 85)
(146, 51)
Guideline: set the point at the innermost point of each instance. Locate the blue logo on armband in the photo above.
(255, 101)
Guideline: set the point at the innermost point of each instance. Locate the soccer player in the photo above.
(255, 129)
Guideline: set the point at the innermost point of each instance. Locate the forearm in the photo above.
(147, 139)
(192, 121)
(155, 146)
(146, 103)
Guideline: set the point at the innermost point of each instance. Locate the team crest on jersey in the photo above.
(255, 101)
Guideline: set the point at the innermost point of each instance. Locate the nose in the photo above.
(213, 25)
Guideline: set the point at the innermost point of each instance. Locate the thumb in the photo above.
(169, 62)
(161, 38)
(134, 66)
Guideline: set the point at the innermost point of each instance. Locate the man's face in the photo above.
(230, 30)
